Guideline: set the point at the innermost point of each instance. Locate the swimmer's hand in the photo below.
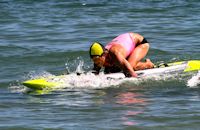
(127, 74)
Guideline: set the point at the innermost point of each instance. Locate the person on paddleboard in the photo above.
(123, 53)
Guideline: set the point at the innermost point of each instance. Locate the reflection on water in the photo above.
(135, 102)
(130, 98)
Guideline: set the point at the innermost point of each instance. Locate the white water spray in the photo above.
(194, 81)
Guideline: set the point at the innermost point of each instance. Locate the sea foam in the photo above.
(194, 81)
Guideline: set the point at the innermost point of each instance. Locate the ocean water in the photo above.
(52, 37)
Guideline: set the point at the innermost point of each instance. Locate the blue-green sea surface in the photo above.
(52, 37)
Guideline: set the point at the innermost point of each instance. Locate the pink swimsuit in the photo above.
(126, 40)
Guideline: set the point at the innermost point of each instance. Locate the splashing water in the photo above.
(194, 81)
(76, 65)
(80, 67)
(88, 80)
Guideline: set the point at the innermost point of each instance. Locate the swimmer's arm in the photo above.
(96, 69)
(126, 67)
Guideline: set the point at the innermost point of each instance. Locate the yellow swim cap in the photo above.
(96, 49)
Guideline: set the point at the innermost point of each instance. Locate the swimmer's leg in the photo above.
(137, 55)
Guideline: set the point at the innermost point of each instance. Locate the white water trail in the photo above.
(194, 81)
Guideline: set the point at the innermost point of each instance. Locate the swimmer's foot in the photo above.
(149, 64)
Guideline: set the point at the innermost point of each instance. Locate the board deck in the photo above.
(175, 67)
